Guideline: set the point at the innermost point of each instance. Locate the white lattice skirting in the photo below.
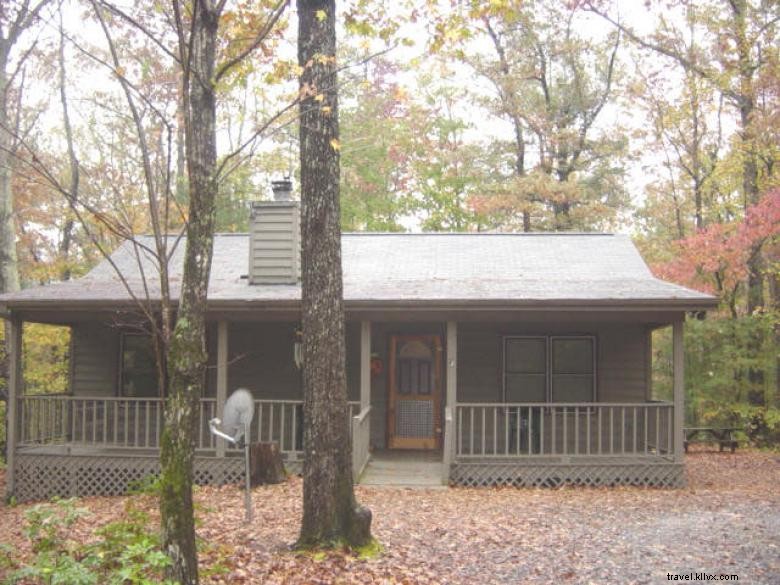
(40, 477)
(661, 475)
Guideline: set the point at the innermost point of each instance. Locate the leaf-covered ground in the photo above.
(727, 521)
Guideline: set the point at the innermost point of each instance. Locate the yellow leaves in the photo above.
(321, 15)
(319, 97)
(335, 144)
(321, 59)
(326, 110)
(400, 94)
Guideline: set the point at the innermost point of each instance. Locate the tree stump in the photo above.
(265, 464)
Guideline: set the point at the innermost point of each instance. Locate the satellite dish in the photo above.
(237, 414)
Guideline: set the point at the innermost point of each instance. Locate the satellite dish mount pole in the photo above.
(248, 491)
(213, 424)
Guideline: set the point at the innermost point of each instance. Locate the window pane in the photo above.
(425, 377)
(526, 388)
(572, 356)
(572, 388)
(403, 377)
(526, 356)
(139, 371)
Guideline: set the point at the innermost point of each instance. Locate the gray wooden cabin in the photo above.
(513, 359)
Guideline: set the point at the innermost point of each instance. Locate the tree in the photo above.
(551, 84)
(331, 514)
(149, 52)
(376, 133)
(739, 47)
(15, 19)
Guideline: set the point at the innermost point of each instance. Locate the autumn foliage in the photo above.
(715, 259)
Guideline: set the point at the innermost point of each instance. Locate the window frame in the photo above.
(548, 377)
(120, 391)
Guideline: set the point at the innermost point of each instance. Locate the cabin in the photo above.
(492, 358)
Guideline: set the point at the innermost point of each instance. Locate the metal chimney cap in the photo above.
(282, 189)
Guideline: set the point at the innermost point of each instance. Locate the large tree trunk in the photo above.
(187, 354)
(331, 515)
(9, 273)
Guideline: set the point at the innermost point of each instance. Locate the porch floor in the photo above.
(401, 468)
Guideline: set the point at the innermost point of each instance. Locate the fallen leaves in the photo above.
(728, 520)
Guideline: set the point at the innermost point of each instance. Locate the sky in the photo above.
(633, 12)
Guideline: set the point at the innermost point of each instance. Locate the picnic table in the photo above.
(723, 436)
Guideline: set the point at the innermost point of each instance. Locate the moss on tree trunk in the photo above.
(187, 352)
(331, 515)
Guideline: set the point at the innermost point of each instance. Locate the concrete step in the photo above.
(403, 471)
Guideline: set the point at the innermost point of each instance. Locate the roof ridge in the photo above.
(368, 234)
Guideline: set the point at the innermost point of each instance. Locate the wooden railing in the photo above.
(558, 429)
(361, 436)
(136, 423)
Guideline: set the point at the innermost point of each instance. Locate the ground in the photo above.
(726, 522)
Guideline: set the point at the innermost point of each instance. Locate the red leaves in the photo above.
(715, 259)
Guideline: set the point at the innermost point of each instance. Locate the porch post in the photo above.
(365, 364)
(222, 377)
(678, 358)
(452, 398)
(14, 345)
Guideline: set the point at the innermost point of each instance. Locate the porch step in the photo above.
(403, 469)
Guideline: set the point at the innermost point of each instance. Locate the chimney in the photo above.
(282, 189)
(274, 238)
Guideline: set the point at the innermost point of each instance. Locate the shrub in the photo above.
(128, 552)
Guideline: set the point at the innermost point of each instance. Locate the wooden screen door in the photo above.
(414, 401)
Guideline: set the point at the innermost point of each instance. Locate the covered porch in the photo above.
(470, 423)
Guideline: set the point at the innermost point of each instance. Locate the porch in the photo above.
(90, 444)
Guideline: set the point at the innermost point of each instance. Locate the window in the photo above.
(525, 379)
(138, 367)
(549, 369)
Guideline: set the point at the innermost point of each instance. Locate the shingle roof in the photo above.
(417, 268)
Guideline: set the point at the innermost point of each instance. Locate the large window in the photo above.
(549, 369)
(138, 377)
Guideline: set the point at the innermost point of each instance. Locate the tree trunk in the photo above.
(331, 515)
(266, 464)
(9, 273)
(187, 353)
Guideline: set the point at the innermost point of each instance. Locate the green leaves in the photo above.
(128, 552)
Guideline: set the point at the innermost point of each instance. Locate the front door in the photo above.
(414, 401)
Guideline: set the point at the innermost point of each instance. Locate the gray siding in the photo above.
(622, 371)
(211, 370)
(261, 360)
(274, 243)
(260, 357)
(94, 360)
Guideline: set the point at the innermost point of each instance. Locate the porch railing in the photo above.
(361, 435)
(564, 429)
(137, 423)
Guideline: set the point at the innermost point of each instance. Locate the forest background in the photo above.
(658, 119)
